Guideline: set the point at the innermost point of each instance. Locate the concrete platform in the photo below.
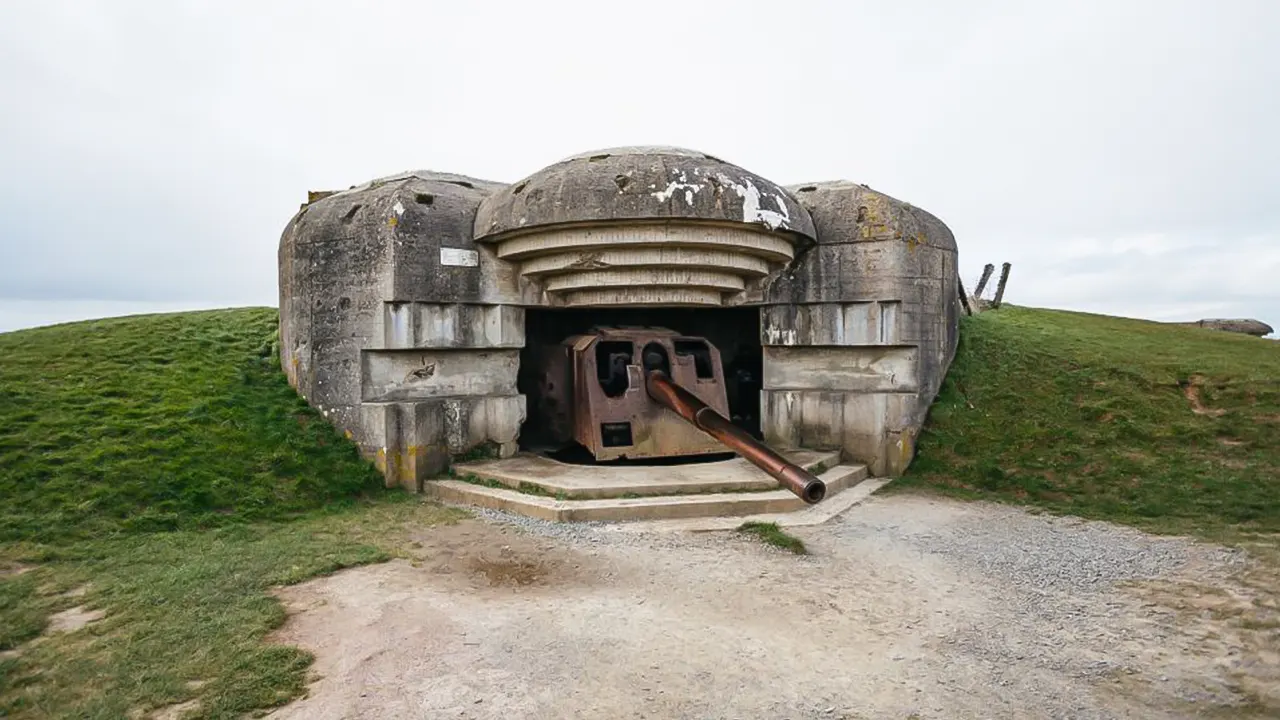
(651, 506)
(809, 516)
(579, 482)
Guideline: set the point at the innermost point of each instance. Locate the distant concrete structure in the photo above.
(409, 305)
(1244, 326)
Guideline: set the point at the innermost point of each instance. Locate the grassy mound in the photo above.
(187, 616)
(159, 422)
(1168, 428)
(114, 430)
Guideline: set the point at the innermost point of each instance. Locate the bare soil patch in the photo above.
(73, 619)
(1191, 389)
(15, 569)
(76, 592)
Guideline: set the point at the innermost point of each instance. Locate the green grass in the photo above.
(21, 617)
(159, 422)
(187, 613)
(1089, 415)
(771, 534)
(163, 466)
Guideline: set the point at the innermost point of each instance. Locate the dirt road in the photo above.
(906, 607)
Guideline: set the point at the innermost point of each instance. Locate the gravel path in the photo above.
(906, 607)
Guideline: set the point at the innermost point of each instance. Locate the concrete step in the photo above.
(582, 482)
(653, 507)
(809, 516)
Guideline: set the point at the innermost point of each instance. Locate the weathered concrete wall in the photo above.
(389, 324)
(878, 296)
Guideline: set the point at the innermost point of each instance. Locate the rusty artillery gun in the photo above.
(647, 393)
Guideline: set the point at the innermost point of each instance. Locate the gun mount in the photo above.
(648, 393)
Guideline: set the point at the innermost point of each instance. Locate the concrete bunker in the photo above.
(417, 310)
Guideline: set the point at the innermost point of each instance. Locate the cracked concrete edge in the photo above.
(810, 516)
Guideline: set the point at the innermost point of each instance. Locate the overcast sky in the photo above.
(1123, 155)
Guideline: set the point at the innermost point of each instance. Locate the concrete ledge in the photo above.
(613, 481)
(809, 516)
(725, 504)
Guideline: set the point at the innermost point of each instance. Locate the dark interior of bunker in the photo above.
(733, 332)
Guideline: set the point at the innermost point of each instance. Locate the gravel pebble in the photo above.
(1042, 553)
(1054, 609)
(597, 533)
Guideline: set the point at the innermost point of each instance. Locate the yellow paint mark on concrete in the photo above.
(397, 468)
(906, 446)
(406, 466)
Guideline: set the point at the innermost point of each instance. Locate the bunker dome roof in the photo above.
(641, 184)
(842, 209)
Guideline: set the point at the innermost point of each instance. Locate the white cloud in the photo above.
(152, 152)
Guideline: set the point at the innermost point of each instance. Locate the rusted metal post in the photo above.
(986, 275)
(964, 298)
(685, 404)
(1004, 278)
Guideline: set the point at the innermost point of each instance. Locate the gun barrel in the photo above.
(663, 390)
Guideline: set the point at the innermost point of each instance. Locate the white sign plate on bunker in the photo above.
(459, 257)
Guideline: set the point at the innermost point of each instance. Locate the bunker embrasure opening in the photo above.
(583, 372)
